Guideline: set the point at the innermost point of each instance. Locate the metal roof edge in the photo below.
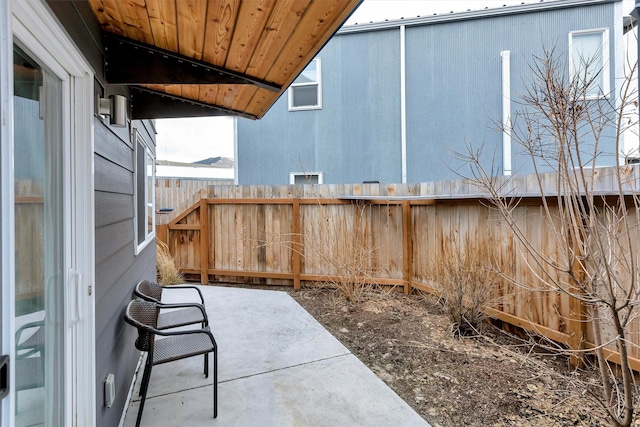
(468, 15)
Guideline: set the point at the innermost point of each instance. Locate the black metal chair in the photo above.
(175, 345)
(186, 313)
(29, 363)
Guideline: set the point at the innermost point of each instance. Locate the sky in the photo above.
(193, 139)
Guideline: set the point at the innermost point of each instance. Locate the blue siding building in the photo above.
(397, 100)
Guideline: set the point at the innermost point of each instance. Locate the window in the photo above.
(305, 92)
(305, 178)
(144, 193)
(589, 61)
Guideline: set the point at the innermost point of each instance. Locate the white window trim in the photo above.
(292, 176)
(139, 246)
(36, 28)
(318, 83)
(606, 68)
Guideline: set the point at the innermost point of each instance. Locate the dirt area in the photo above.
(495, 379)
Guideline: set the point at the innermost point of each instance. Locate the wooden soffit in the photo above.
(216, 56)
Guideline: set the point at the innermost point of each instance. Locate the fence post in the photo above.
(204, 241)
(162, 233)
(577, 322)
(576, 326)
(297, 246)
(407, 246)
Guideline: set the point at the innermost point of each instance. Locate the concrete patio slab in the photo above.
(277, 366)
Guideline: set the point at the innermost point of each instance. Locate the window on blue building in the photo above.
(305, 178)
(589, 61)
(305, 92)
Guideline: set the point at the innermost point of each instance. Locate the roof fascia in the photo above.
(151, 104)
(130, 62)
(474, 14)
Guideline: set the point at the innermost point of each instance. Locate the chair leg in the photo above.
(206, 365)
(215, 382)
(145, 375)
(143, 391)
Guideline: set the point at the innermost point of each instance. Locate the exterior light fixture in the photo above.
(116, 108)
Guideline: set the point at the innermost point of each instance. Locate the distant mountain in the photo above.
(209, 161)
(216, 161)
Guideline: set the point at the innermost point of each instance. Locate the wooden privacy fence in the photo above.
(29, 239)
(269, 235)
(180, 193)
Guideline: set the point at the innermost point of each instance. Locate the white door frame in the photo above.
(7, 272)
(35, 26)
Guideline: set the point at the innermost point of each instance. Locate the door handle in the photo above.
(76, 295)
(4, 376)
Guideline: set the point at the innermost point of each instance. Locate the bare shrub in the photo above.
(347, 264)
(466, 276)
(561, 127)
(168, 273)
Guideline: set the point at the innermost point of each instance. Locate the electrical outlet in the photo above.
(109, 390)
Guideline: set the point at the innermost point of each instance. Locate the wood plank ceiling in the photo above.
(261, 44)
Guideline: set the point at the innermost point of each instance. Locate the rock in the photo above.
(445, 377)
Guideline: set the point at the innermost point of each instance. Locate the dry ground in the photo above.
(495, 379)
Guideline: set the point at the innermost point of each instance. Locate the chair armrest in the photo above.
(28, 348)
(165, 288)
(27, 326)
(162, 305)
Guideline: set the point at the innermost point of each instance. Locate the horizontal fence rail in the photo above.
(295, 235)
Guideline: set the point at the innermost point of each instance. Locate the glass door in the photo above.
(39, 244)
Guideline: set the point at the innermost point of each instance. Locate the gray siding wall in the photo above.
(117, 267)
(453, 99)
